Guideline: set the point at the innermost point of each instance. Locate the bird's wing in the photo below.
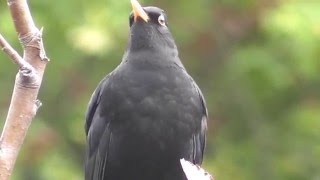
(97, 128)
(199, 139)
(93, 104)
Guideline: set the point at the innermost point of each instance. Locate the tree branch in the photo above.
(13, 55)
(24, 103)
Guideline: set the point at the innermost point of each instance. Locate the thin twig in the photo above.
(13, 54)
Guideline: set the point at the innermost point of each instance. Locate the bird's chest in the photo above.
(155, 104)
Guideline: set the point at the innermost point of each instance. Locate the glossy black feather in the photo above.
(147, 114)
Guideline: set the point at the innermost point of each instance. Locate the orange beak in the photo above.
(138, 11)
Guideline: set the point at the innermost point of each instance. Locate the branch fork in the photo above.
(24, 103)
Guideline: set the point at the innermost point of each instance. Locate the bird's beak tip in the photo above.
(138, 11)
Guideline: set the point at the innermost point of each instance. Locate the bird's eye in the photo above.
(161, 20)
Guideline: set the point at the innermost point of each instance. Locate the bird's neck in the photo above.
(159, 50)
(153, 57)
(152, 44)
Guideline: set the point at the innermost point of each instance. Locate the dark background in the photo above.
(257, 63)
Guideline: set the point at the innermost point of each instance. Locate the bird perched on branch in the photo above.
(148, 113)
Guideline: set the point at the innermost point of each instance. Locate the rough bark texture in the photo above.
(24, 103)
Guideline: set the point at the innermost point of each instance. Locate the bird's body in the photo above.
(147, 114)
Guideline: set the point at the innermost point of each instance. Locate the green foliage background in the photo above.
(257, 62)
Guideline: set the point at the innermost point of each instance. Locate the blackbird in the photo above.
(148, 113)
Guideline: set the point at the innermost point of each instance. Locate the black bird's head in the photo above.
(149, 29)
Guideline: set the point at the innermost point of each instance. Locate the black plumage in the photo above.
(148, 113)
